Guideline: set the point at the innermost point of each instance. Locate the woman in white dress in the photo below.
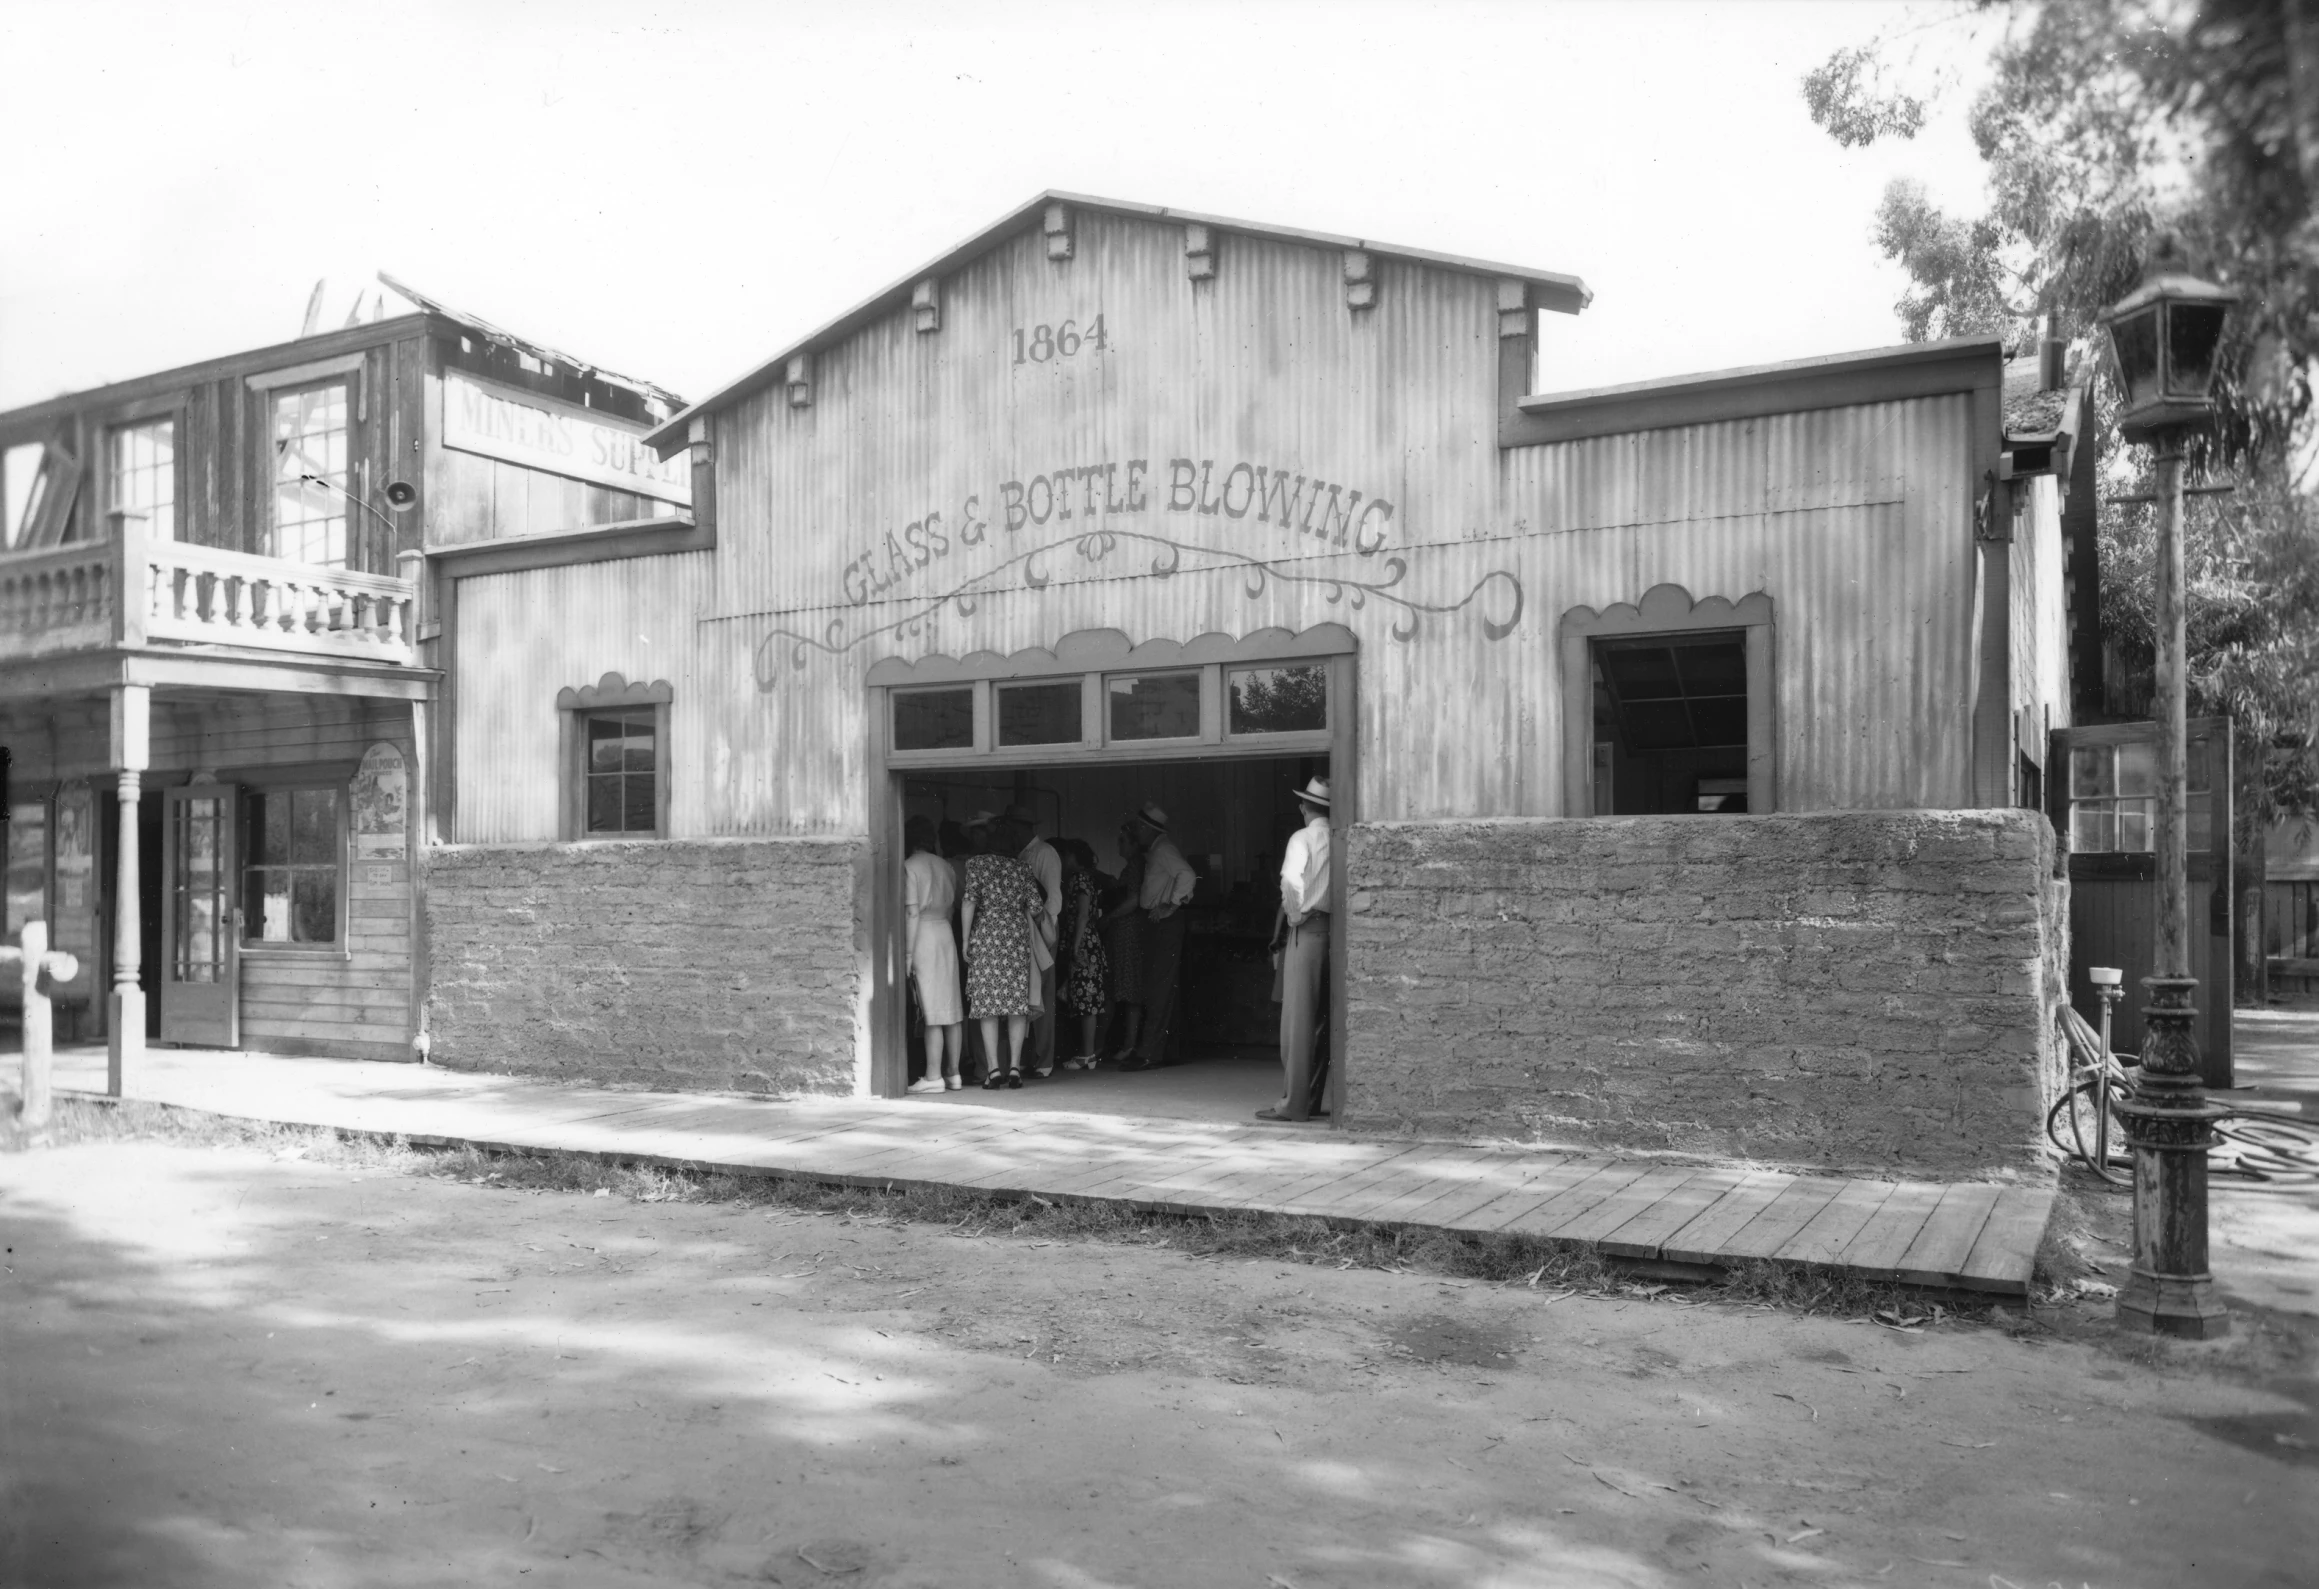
(930, 888)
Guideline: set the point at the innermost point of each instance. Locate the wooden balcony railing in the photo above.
(71, 599)
(58, 601)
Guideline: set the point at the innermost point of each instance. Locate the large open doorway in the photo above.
(1219, 733)
(1232, 820)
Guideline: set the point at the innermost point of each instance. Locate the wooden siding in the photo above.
(523, 637)
(355, 1001)
(224, 496)
(1856, 522)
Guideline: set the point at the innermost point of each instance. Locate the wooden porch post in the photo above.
(132, 736)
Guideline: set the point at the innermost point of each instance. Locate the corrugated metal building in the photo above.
(1159, 464)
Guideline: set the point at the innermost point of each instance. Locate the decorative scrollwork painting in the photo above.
(1496, 599)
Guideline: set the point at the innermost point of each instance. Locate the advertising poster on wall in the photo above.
(381, 793)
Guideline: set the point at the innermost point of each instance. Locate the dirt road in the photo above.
(224, 1367)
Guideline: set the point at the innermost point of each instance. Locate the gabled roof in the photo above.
(1566, 294)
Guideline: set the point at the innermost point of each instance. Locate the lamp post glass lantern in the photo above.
(2166, 334)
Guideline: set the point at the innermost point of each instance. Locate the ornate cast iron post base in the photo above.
(2170, 1125)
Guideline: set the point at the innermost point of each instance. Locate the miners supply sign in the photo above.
(541, 433)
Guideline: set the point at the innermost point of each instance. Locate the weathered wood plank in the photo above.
(1825, 1235)
(2004, 1258)
(1786, 1214)
(1331, 1190)
(256, 1031)
(1876, 1250)
(1939, 1252)
(1643, 1234)
(1546, 1184)
(1477, 1185)
(1418, 1178)
(1701, 1241)
(1548, 1217)
(1462, 1199)
(1624, 1204)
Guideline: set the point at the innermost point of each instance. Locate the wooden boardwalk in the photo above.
(1973, 1236)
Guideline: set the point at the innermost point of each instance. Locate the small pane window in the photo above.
(292, 853)
(1279, 700)
(310, 475)
(1039, 714)
(142, 463)
(934, 719)
(1155, 706)
(622, 766)
(2113, 799)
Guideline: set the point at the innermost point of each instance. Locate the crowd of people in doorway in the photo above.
(1020, 935)
(1033, 944)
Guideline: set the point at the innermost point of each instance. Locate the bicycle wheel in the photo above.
(2075, 1125)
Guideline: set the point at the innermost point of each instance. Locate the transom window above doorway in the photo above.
(1096, 695)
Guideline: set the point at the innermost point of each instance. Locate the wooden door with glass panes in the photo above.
(2103, 793)
(200, 931)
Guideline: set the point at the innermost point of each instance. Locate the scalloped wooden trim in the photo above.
(1092, 650)
(614, 690)
(1670, 607)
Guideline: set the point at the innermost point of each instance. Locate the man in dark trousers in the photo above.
(1168, 883)
(1304, 956)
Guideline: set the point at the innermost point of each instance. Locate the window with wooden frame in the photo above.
(1667, 706)
(141, 473)
(293, 865)
(615, 759)
(1096, 696)
(311, 430)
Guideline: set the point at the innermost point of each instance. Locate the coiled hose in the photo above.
(2084, 1122)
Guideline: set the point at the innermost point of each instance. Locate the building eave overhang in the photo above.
(1838, 380)
(1562, 293)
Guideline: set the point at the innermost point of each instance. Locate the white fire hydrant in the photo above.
(38, 966)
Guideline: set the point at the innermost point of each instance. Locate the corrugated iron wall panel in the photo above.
(1850, 519)
(523, 637)
(845, 523)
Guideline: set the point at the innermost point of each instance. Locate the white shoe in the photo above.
(951, 1083)
(928, 1084)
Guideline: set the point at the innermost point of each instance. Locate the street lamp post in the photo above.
(2166, 334)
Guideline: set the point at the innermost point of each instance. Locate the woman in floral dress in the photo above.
(997, 896)
(1086, 988)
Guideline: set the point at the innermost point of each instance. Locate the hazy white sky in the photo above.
(674, 191)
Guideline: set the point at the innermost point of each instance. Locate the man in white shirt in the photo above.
(1047, 867)
(1168, 882)
(1304, 957)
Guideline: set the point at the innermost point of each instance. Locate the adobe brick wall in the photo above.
(1860, 990)
(724, 965)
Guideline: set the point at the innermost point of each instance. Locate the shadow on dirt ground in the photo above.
(308, 1364)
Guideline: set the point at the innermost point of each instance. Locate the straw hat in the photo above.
(1151, 816)
(1315, 793)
